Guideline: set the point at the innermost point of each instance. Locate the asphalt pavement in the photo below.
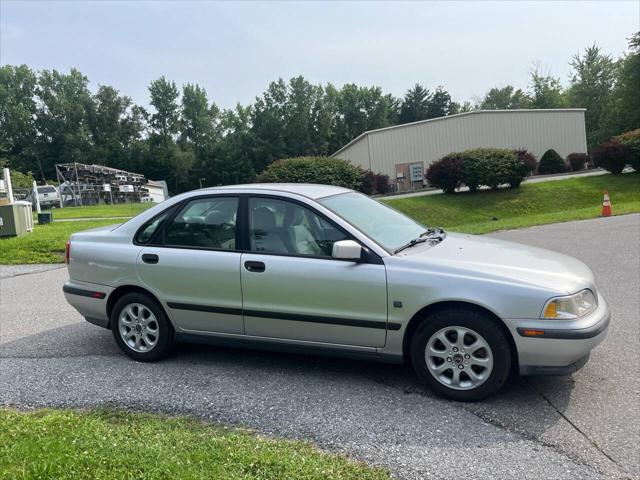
(581, 426)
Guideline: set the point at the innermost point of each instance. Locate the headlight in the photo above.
(572, 306)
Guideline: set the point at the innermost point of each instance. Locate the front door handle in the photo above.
(254, 266)
(151, 258)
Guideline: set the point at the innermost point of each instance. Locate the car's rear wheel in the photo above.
(141, 328)
(461, 353)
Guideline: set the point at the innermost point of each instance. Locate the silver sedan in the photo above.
(321, 269)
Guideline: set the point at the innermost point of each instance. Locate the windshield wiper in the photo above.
(428, 235)
(413, 242)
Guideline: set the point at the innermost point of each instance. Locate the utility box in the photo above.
(45, 217)
(15, 219)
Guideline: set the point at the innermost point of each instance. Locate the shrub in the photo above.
(445, 173)
(374, 183)
(368, 183)
(551, 162)
(577, 161)
(528, 159)
(632, 141)
(381, 183)
(612, 156)
(323, 170)
(492, 167)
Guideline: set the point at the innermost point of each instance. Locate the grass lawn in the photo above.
(100, 211)
(45, 244)
(531, 204)
(105, 444)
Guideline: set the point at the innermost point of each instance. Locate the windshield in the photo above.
(386, 226)
(46, 190)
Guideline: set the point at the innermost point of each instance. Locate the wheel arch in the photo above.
(122, 290)
(423, 314)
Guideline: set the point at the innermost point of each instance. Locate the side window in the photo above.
(144, 235)
(279, 226)
(204, 223)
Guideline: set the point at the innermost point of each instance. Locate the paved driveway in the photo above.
(584, 426)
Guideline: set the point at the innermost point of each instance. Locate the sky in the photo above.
(234, 49)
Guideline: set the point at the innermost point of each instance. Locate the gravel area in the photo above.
(583, 426)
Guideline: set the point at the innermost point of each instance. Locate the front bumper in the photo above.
(566, 344)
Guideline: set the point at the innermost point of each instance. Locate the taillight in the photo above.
(67, 252)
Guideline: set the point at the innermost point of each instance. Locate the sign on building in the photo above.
(415, 172)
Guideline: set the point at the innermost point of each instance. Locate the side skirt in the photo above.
(275, 346)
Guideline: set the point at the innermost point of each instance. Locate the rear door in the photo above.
(293, 288)
(190, 260)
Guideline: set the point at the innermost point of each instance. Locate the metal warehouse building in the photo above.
(404, 151)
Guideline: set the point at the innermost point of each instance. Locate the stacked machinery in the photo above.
(82, 184)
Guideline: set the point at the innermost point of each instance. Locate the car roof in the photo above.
(310, 190)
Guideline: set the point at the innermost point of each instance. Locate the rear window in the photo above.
(46, 190)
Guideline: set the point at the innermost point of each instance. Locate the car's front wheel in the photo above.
(141, 328)
(461, 354)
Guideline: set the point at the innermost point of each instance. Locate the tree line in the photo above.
(49, 117)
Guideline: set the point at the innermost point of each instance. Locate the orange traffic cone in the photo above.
(606, 205)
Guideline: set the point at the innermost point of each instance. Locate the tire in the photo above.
(142, 321)
(479, 367)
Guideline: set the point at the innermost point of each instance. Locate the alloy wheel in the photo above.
(459, 358)
(138, 327)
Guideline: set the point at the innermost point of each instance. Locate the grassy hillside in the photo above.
(531, 204)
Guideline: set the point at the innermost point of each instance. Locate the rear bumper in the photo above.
(89, 299)
(565, 345)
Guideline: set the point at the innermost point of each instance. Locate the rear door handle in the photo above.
(254, 266)
(151, 258)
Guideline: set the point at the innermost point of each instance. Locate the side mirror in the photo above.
(347, 250)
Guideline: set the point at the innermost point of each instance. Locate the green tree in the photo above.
(165, 159)
(200, 133)
(115, 124)
(505, 98)
(63, 104)
(440, 104)
(164, 98)
(624, 112)
(359, 109)
(231, 162)
(17, 117)
(592, 82)
(415, 105)
(267, 119)
(546, 90)
(197, 118)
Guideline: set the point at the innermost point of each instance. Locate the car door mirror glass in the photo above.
(347, 250)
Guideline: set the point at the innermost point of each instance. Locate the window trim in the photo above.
(242, 228)
(177, 207)
(368, 255)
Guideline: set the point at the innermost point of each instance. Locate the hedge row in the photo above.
(326, 171)
(618, 152)
(489, 167)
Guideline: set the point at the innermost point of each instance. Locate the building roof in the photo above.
(438, 119)
(157, 183)
(310, 190)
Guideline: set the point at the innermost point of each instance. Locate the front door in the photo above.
(192, 264)
(293, 288)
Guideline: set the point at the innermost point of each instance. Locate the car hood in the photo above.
(501, 260)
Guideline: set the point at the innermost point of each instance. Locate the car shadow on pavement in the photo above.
(503, 409)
